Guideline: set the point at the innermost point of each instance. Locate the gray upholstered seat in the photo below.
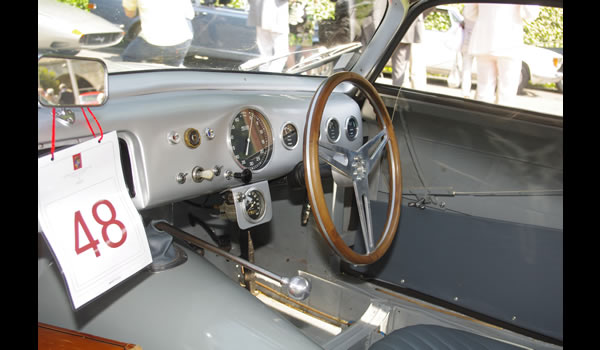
(430, 337)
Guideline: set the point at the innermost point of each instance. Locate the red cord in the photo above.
(53, 132)
(88, 122)
(101, 132)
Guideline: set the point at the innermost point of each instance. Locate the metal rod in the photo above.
(191, 239)
(304, 307)
(512, 193)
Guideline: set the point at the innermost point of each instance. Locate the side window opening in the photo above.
(516, 61)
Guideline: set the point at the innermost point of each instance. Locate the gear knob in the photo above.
(298, 287)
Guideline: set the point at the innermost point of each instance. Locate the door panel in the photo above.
(490, 237)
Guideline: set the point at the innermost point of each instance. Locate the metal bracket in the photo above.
(421, 203)
(426, 196)
(65, 116)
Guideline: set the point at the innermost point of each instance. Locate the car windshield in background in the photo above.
(284, 36)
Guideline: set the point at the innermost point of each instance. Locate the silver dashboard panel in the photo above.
(146, 117)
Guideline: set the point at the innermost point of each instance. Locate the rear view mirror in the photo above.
(71, 81)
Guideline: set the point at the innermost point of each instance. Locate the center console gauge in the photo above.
(251, 139)
(252, 204)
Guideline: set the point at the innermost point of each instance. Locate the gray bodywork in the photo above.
(169, 309)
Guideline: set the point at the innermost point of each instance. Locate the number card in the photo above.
(88, 218)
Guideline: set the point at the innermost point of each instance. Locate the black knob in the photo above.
(245, 176)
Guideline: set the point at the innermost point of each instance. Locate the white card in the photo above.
(89, 221)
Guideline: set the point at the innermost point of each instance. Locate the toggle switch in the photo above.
(199, 174)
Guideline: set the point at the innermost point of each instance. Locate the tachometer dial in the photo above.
(251, 139)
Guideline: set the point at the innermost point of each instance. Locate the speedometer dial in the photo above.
(251, 139)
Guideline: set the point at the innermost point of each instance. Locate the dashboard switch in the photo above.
(199, 174)
(180, 178)
(245, 176)
(210, 133)
(173, 137)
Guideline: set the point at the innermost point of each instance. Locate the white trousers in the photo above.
(408, 57)
(272, 44)
(467, 65)
(497, 75)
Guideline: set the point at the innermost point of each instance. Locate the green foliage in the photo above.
(304, 15)
(437, 20)
(237, 4)
(48, 79)
(318, 10)
(82, 4)
(547, 29)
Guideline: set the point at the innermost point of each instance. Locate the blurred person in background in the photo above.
(65, 95)
(271, 19)
(467, 58)
(496, 41)
(155, 44)
(406, 57)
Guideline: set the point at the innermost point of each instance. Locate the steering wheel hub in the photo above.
(359, 168)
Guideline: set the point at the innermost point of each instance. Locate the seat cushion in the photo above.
(432, 337)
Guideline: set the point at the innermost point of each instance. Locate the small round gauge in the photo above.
(351, 128)
(192, 138)
(289, 136)
(333, 130)
(251, 139)
(254, 205)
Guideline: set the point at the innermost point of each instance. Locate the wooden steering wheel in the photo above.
(355, 165)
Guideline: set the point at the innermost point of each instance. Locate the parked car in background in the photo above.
(559, 85)
(63, 28)
(220, 33)
(91, 98)
(441, 49)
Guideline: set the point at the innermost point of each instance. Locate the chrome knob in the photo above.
(298, 287)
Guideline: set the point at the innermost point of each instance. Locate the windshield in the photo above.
(285, 36)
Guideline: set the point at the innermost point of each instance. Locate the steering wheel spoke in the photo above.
(379, 141)
(361, 191)
(338, 157)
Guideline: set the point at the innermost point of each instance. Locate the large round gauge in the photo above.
(254, 205)
(251, 139)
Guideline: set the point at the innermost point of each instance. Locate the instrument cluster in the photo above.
(250, 138)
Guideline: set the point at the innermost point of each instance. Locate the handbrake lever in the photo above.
(297, 287)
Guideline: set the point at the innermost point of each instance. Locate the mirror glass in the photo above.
(71, 82)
